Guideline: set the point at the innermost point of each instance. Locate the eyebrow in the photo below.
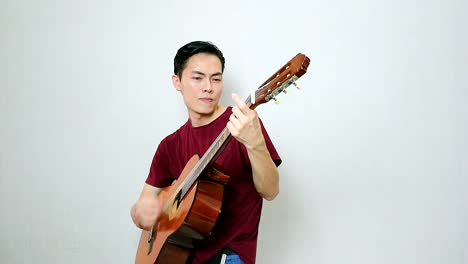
(202, 73)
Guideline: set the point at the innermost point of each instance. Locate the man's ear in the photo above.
(176, 82)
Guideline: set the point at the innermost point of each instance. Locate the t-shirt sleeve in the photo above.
(271, 148)
(159, 174)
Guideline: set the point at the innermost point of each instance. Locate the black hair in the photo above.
(192, 48)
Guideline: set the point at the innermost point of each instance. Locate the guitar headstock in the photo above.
(279, 81)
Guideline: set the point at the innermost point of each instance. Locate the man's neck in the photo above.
(198, 120)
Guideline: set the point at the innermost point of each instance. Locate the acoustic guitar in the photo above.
(193, 203)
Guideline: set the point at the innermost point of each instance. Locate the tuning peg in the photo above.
(297, 86)
(277, 102)
(285, 92)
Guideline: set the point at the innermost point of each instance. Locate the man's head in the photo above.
(198, 76)
(193, 48)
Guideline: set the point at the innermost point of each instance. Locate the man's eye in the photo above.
(196, 78)
(216, 79)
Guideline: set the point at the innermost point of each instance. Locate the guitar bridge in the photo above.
(151, 236)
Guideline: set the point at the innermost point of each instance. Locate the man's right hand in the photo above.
(148, 208)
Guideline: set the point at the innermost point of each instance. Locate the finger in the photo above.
(239, 114)
(239, 102)
(232, 129)
(235, 121)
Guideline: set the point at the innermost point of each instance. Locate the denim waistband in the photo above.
(228, 251)
(216, 259)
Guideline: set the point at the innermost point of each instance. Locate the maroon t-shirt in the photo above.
(237, 225)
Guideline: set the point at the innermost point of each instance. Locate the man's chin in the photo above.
(207, 110)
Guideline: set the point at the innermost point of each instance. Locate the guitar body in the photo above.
(185, 220)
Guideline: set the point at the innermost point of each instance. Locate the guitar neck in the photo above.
(274, 85)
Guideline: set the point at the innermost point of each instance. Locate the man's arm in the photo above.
(265, 172)
(147, 208)
(245, 126)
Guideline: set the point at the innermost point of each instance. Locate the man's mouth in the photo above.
(206, 99)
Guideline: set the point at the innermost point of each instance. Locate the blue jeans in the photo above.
(233, 259)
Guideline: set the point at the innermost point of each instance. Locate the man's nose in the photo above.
(208, 87)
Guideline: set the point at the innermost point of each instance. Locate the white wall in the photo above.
(374, 146)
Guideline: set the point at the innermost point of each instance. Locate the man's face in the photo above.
(201, 84)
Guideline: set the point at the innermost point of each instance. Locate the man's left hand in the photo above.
(244, 124)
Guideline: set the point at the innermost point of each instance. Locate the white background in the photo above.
(374, 146)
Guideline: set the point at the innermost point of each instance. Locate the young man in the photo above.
(250, 158)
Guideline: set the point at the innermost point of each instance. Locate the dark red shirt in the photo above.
(237, 225)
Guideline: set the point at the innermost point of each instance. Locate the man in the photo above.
(250, 158)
